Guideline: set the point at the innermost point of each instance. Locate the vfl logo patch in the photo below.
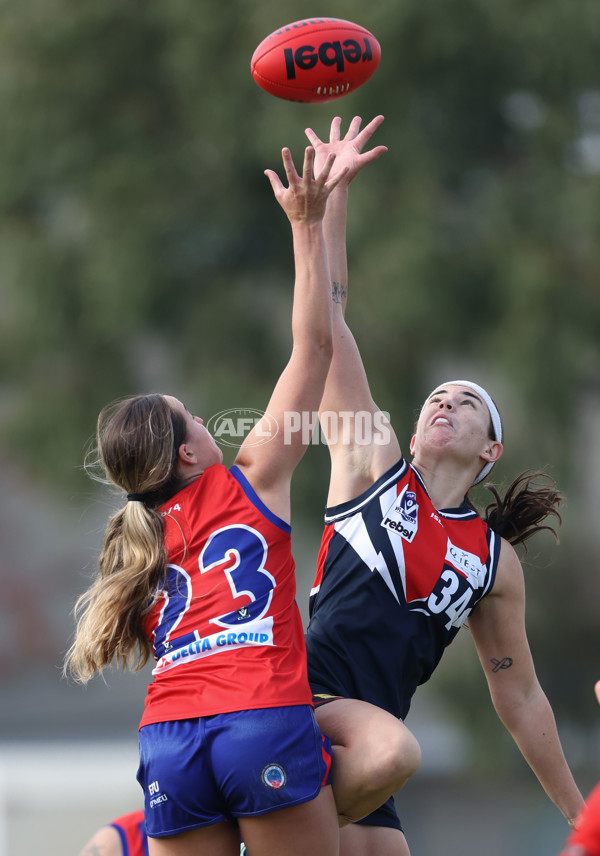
(401, 517)
(273, 776)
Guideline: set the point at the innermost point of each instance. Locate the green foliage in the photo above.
(136, 215)
(141, 248)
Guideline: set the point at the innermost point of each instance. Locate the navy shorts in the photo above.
(196, 772)
(386, 815)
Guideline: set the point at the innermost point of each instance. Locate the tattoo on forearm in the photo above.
(338, 292)
(93, 850)
(504, 663)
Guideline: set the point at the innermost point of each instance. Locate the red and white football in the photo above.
(318, 59)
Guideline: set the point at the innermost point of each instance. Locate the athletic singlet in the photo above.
(132, 833)
(396, 578)
(226, 631)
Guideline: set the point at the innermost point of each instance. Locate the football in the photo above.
(318, 59)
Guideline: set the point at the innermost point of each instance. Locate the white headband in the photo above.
(494, 416)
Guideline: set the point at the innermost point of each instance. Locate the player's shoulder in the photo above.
(106, 841)
(509, 557)
(509, 573)
(368, 496)
(129, 819)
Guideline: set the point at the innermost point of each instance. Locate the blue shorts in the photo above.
(196, 772)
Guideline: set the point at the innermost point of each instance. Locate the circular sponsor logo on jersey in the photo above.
(274, 776)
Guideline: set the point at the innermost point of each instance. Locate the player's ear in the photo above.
(492, 451)
(186, 455)
(413, 441)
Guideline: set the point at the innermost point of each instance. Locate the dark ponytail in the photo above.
(524, 508)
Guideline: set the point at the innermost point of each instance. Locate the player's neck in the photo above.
(446, 485)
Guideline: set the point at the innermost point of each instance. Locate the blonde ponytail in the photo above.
(138, 440)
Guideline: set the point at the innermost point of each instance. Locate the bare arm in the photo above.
(355, 464)
(498, 628)
(105, 842)
(269, 466)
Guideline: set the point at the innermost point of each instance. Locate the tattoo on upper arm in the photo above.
(504, 663)
(338, 292)
(92, 850)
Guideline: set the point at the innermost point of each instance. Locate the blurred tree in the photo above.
(141, 248)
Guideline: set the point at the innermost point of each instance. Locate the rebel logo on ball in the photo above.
(328, 53)
(315, 60)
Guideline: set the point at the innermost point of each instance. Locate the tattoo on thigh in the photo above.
(504, 663)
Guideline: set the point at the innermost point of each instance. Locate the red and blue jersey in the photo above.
(226, 631)
(396, 579)
(132, 833)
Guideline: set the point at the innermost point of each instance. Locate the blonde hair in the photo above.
(138, 439)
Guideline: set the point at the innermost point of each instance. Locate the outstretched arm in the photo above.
(269, 465)
(361, 450)
(498, 627)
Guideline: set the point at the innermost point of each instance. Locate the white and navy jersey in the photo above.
(396, 579)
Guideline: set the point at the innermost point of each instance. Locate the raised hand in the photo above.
(305, 197)
(348, 149)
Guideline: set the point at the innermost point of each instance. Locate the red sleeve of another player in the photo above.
(131, 829)
(587, 834)
(588, 827)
